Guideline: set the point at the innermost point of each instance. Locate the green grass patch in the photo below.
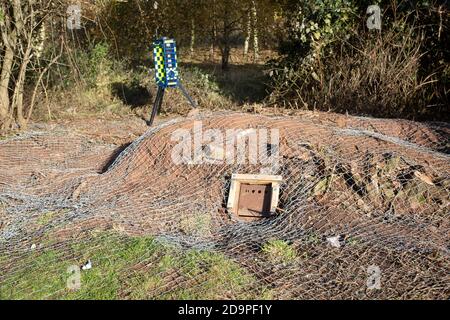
(49, 216)
(279, 251)
(124, 267)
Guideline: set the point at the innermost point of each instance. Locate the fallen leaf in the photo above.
(424, 178)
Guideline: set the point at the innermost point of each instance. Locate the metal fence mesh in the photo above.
(361, 198)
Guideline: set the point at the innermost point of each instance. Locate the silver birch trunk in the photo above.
(192, 44)
(247, 35)
(255, 32)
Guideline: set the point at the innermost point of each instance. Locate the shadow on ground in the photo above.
(243, 83)
(133, 95)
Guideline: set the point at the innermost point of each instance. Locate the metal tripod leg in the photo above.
(187, 95)
(156, 105)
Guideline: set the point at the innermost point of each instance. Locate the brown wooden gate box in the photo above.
(253, 196)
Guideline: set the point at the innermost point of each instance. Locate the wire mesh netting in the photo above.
(363, 213)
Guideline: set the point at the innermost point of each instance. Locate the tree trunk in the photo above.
(5, 115)
(191, 48)
(225, 57)
(247, 35)
(40, 41)
(213, 41)
(255, 32)
(17, 101)
(225, 47)
(21, 34)
(213, 32)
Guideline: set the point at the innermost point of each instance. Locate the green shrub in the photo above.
(331, 61)
(279, 251)
(201, 80)
(94, 64)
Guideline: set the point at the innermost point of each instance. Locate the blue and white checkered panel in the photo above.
(171, 66)
(166, 67)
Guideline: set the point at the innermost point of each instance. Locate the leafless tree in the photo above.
(23, 33)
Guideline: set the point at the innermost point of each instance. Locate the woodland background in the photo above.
(234, 54)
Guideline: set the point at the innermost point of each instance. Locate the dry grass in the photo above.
(375, 74)
(115, 90)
